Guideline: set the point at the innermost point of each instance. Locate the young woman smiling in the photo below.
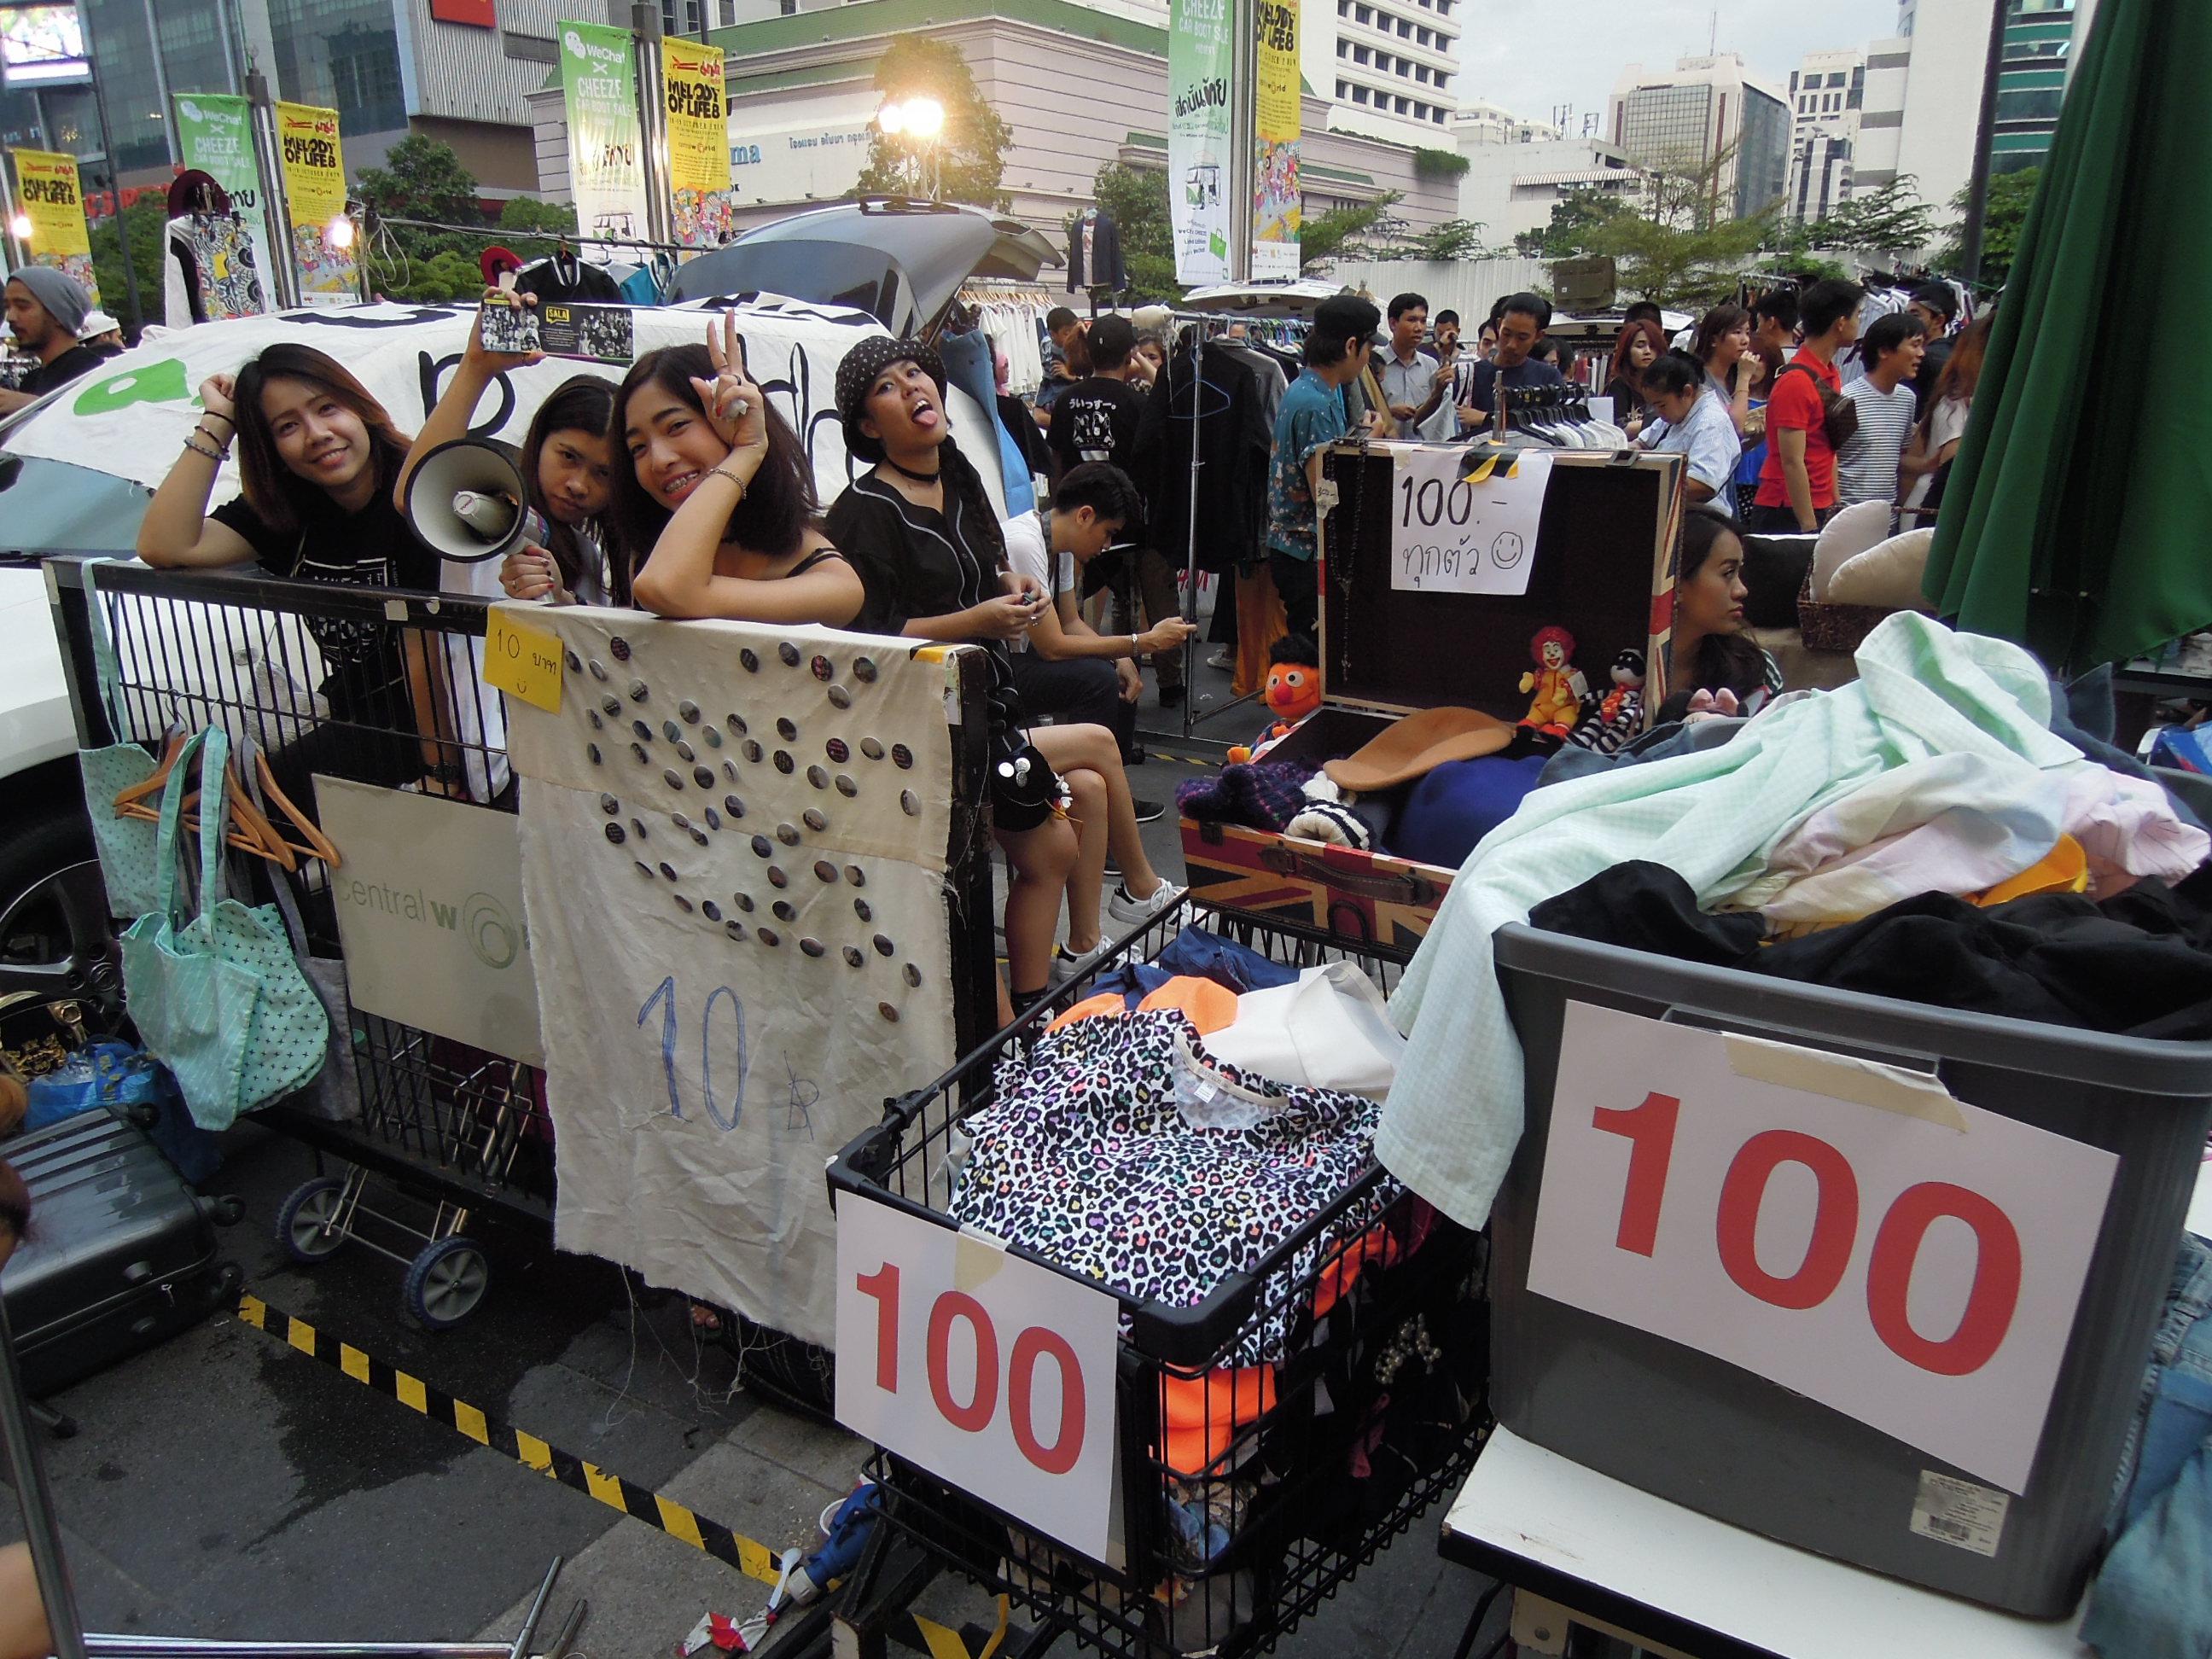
(318, 461)
(715, 513)
(921, 529)
(565, 462)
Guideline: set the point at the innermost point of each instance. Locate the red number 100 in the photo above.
(1990, 1304)
(974, 1415)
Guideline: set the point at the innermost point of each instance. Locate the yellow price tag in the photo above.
(522, 660)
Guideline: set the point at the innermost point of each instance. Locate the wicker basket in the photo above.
(1828, 627)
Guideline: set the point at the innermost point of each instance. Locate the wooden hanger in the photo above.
(248, 829)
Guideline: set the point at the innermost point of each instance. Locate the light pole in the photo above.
(920, 121)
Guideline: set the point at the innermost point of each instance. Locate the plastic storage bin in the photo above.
(1703, 1433)
(1375, 1410)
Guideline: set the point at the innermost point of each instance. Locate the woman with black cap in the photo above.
(921, 530)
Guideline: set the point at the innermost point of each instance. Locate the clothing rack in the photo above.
(493, 234)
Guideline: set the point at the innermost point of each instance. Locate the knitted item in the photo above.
(1325, 820)
(1262, 795)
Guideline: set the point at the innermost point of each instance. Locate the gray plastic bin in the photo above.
(1714, 1437)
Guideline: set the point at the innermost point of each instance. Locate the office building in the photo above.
(1923, 94)
(1827, 92)
(1706, 112)
(1389, 64)
(453, 70)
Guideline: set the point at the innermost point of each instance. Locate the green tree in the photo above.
(421, 178)
(143, 223)
(970, 154)
(1345, 232)
(2003, 219)
(1455, 239)
(1575, 217)
(1891, 219)
(1137, 200)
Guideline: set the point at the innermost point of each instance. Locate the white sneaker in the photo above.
(1131, 911)
(1067, 966)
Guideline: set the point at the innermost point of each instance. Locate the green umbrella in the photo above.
(2078, 520)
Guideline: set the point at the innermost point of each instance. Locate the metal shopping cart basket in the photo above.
(435, 1132)
(1377, 1406)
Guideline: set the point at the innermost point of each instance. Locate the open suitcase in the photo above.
(1603, 568)
(121, 1254)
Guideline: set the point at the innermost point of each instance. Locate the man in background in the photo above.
(45, 310)
(1066, 362)
(1934, 304)
(1867, 466)
(1797, 483)
(1338, 350)
(1521, 320)
(1408, 373)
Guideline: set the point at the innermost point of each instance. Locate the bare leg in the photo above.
(1072, 748)
(1039, 860)
(1086, 886)
(23, 1617)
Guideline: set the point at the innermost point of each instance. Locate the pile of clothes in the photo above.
(1207, 1121)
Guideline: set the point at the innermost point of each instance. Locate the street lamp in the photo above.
(20, 227)
(920, 121)
(339, 233)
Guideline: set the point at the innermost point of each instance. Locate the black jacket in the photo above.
(1108, 272)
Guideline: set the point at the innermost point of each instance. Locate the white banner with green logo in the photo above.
(606, 149)
(214, 135)
(1199, 53)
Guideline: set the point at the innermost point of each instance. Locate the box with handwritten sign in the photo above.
(1441, 565)
(1872, 1278)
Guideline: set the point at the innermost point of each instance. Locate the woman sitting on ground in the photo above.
(567, 468)
(318, 461)
(715, 514)
(920, 528)
(1711, 649)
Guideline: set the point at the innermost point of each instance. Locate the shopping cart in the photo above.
(1377, 1406)
(440, 1134)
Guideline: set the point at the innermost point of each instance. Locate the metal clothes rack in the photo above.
(493, 234)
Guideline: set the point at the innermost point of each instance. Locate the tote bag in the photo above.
(218, 998)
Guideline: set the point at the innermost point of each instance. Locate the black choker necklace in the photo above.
(908, 473)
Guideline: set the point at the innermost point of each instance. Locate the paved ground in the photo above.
(223, 1485)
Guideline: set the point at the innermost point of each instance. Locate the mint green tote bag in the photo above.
(215, 992)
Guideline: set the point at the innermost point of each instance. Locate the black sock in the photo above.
(1025, 1001)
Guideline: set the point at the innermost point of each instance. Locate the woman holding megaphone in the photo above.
(567, 465)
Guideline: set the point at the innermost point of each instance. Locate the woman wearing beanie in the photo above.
(921, 530)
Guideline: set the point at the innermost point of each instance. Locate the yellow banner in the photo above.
(1276, 200)
(698, 140)
(46, 187)
(314, 186)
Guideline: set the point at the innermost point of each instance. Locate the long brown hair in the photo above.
(1642, 328)
(278, 494)
(1962, 370)
(779, 505)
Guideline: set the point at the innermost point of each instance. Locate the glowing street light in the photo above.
(920, 121)
(20, 227)
(339, 233)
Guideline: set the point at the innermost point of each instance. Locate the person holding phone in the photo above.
(566, 460)
(715, 514)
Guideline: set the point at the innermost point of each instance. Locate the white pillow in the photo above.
(1850, 531)
(1888, 574)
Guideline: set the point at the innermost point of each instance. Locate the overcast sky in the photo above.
(1508, 62)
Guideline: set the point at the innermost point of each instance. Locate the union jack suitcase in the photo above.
(1602, 567)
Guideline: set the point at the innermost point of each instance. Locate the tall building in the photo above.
(389, 67)
(1825, 94)
(1518, 171)
(1923, 94)
(1390, 64)
(1706, 110)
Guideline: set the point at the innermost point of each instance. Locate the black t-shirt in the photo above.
(1096, 420)
(1526, 372)
(1931, 370)
(79, 359)
(373, 548)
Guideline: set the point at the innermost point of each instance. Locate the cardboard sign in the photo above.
(985, 1369)
(522, 660)
(1454, 534)
(438, 943)
(1848, 1230)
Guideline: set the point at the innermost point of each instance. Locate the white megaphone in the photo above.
(466, 501)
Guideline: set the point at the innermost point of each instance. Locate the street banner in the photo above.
(1200, 51)
(1275, 201)
(606, 151)
(698, 141)
(314, 186)
(214, 135)
(47, 189)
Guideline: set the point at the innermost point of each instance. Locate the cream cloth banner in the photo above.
(738, 922)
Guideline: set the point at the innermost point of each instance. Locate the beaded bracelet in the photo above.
(207, 450)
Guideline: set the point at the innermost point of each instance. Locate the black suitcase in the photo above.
(121, 1254)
